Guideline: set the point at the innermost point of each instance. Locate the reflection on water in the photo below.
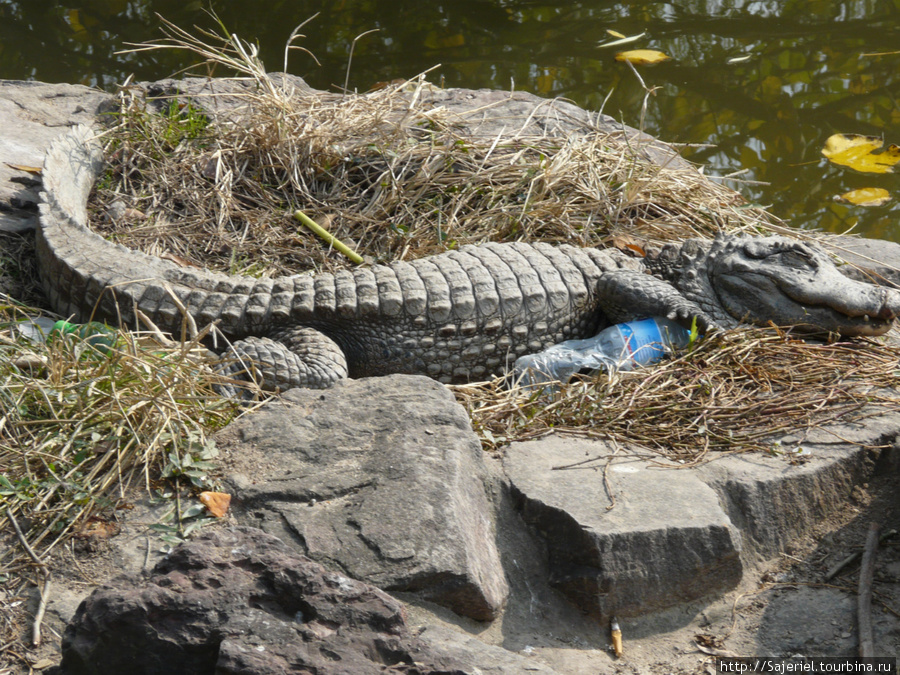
(761, 83)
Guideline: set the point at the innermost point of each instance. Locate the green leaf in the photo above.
(193, 510)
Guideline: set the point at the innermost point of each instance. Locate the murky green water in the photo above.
(761, 83)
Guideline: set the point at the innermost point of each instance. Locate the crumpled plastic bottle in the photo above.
(98, 335)
(623, 346)
(35, 328)
(41, 329)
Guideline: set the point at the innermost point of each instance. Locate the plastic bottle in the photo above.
(35, 328)
(621, 347)
(98, 335)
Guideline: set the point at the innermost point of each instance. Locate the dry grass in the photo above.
(388, 172)
(80, 425)
(398, 177)
(734, 392)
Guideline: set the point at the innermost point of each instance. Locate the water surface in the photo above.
(759, 84)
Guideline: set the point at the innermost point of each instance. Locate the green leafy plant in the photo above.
(192, 464)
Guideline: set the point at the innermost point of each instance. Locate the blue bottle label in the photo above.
(643, 340)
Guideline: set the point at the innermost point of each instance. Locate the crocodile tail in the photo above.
(87, 277)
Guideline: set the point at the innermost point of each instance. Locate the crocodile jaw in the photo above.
(843, 305)
(831, 305)
(849, 326)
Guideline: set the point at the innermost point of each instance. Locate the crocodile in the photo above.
(461, 315)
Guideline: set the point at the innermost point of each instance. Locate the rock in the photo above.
(382, 478)
(678, 535)
(31, 115)
(665, 540)
(824, 614)
(878, 255)
(241, 602)
(774, 499)
(473, 656)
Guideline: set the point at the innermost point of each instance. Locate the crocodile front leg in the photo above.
(296, 357)
(628, 295)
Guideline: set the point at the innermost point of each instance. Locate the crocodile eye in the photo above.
(797, 257)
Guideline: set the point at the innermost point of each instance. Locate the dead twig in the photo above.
(864, 599)
(853, 557)
(30, 551)
(43, 588)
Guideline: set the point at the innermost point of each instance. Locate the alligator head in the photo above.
(789, 283)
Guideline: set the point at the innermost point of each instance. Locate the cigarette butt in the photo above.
(616, 634)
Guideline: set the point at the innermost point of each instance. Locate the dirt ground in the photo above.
(783, 607)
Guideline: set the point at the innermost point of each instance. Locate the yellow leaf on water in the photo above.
(614, 33)
(75, 21)
(457, 40)
(641, 57)
(859, 152)
(544, 83)
(437, 40)
(865, 197)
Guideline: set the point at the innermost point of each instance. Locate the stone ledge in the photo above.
(663, 541)
(678, 535)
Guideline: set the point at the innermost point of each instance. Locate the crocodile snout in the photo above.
(890, 308)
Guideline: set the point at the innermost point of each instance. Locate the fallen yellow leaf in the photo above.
(614, 33)
(865, 197)
(623, 241)
(641, 57)
(216, 502)
(858, 152)
(75, 22)
(25, 167)
(437, 40)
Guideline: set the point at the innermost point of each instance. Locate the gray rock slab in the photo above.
(774, 498)
(382, 478)
(241, 601)
(32, 114)
(626, 541)
(868, 253)
(678, 535)
(474, 655)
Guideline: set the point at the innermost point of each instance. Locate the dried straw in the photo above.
(396, 177)
(731, 393)
(80, 426)
(386, 171)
